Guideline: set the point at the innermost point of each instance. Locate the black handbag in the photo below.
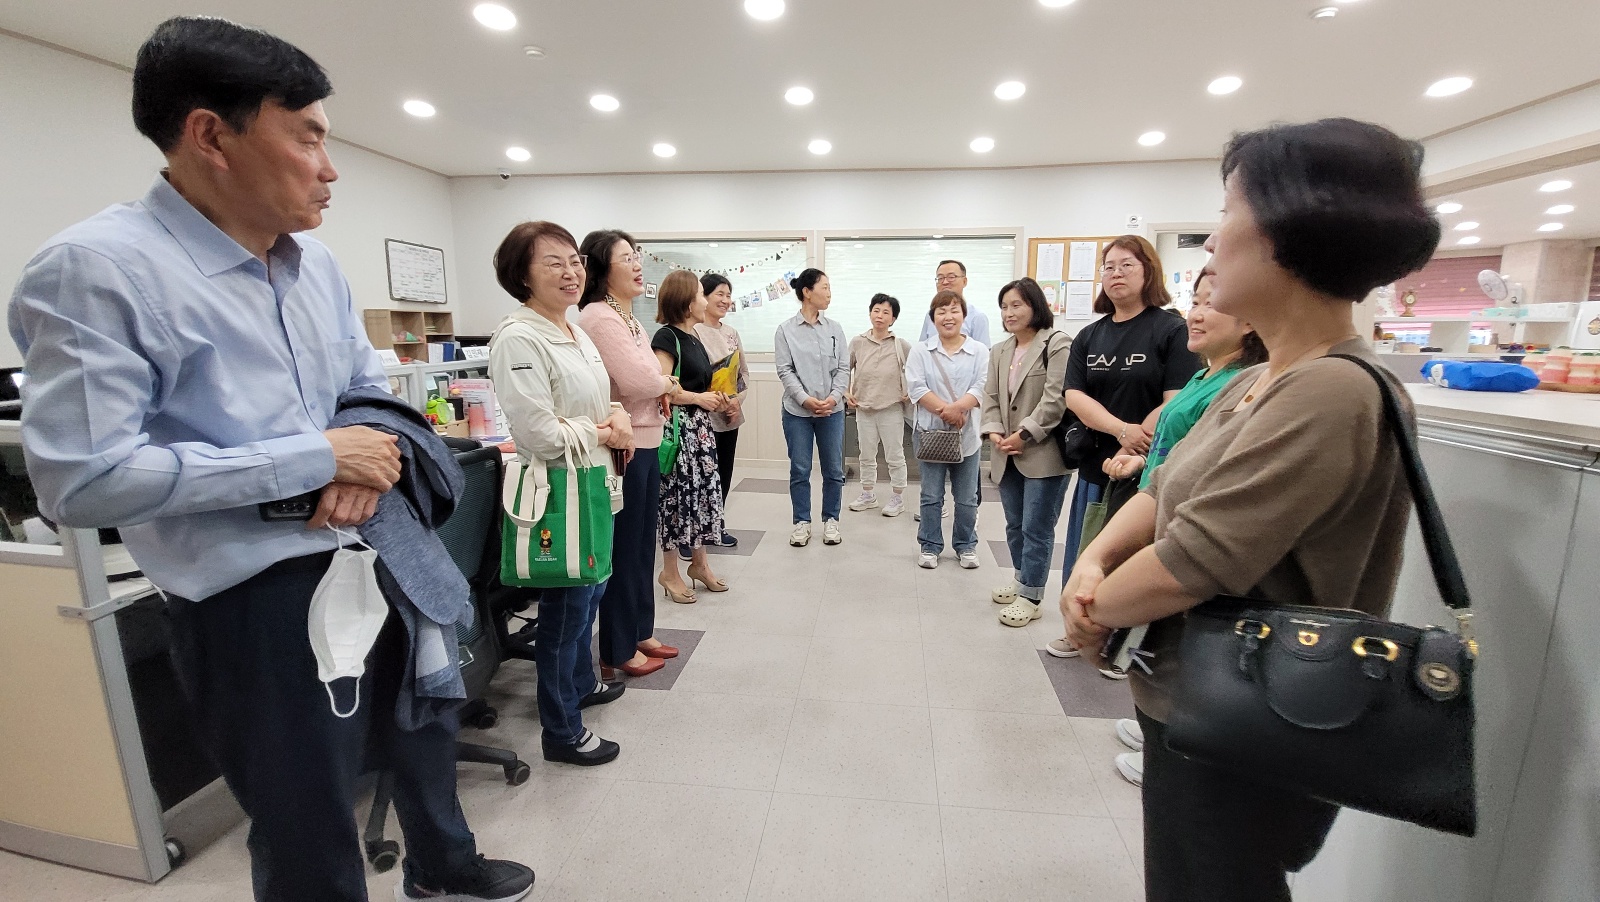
(1073, 438)
(1336, 704)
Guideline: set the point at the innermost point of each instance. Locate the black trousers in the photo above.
(247, 667)
(1211, 836)
(628, 607)
(727, 442)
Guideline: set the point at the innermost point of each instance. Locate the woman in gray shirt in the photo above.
(813, 365)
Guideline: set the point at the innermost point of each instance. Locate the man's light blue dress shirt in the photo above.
(175, 381)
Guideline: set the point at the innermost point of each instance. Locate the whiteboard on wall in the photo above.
(416, 272)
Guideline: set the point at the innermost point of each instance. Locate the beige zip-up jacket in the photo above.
(541, 378)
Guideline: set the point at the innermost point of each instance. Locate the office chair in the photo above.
(472, 536)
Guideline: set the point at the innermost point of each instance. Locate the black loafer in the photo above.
(602, 693)
(604, 751)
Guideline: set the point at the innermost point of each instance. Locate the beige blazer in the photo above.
(1035, 409)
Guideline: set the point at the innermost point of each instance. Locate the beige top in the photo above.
(1299, 498)
(543, 378)
(720, 341)
(1035, 406)
(877, 371)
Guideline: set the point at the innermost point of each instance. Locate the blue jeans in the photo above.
(561, 653)
(828, 433)
(1084, 495)
(1032, 508)
(963, 479)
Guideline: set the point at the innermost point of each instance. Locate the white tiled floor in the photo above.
(849, 727)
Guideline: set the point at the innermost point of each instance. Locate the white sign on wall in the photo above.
(416, 272)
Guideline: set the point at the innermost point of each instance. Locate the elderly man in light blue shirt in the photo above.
(185, 354)
(945, 378)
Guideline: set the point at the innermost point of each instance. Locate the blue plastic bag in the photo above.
(1485, 376)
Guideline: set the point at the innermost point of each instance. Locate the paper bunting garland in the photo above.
(727, 271)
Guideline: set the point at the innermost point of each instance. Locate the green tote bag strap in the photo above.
(672, 438)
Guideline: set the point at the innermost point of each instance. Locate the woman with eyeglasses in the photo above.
(547, 374)
(813, 364)
(614, 279)
(1123, 367)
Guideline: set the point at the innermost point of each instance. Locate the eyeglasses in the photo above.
(946, 277)
(1124, 267)
(629, 259)
(571, 264)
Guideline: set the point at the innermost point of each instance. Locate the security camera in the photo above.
(505, 175)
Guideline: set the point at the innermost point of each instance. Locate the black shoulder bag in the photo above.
(1336, 704)
(1073, 438)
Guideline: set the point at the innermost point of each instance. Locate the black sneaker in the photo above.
(482, 880)
(685, 552)
(728, 541)
(588, 752)
(602, 693)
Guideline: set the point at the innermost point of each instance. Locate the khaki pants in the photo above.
(885, 426)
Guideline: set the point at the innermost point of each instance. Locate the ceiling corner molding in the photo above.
(1508, 111)
(1573, 151)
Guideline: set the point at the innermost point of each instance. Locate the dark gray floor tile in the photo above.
(1083, 691)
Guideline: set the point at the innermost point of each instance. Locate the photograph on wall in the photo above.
(650, 290)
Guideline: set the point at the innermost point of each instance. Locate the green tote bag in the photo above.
(672, 436)
(558, 521)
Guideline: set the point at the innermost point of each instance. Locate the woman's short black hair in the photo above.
(197, 62)
(598, 247)
(1043, 316)
(711, 281)
(880, 298)
(807, 280)
(1340, 200)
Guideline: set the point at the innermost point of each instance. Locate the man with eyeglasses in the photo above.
(952, 276)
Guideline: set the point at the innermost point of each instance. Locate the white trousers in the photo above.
(886, 427)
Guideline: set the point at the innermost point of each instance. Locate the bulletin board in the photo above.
(1068, 269)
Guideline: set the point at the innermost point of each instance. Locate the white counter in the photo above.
(1561, 415)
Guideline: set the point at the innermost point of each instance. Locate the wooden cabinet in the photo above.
(407, 332)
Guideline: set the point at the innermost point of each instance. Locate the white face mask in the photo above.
(347, 612)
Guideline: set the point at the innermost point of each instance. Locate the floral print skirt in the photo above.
(691, 495)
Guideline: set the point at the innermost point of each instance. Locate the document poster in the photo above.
(1051, 259)
(1052, 295)
(1080, 265)
(1080, 300)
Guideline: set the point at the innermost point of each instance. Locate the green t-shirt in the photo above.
(1181, 413)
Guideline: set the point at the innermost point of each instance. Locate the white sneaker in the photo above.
(1131, 766)
(896, 505)
(801, 534)
(865, 502)
(927, 561)
(1130, 735)
(1111, 673)
(968, 559)
(1060, 649)
(830, 532)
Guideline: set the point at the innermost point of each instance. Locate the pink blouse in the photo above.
(636, 378)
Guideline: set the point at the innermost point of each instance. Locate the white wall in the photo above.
(68, 149)
(1069, 200)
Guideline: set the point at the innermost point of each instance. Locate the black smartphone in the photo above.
(300, 507)
(619, 461)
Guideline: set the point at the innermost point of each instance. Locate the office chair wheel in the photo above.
(176, 853)
(518, 773)
(383, 855)
(486, 719)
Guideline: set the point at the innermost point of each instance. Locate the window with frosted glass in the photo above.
(904, 268)
(762, 298)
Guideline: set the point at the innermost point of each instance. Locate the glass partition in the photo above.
(858, 268)
(761, 290)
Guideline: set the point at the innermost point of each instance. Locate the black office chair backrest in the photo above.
(467, 534)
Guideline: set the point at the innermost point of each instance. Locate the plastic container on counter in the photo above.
(1585, 369)
(1556, 366)
(1534, 360)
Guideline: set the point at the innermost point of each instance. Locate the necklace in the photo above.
(633, 324)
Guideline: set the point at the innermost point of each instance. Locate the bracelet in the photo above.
(1124, 436)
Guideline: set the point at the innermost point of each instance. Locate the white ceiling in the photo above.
(899, 83)
(1509, 212)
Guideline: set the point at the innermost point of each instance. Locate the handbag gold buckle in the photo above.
(1390, 650)
(1464, 629)
(1261, 630)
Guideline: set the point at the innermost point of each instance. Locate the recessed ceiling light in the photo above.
(1557, 185)
(1467, 226)
(799, 96)
(419, 108)
(1325, 12)
(663, 150)
(1470, 239)
(819, 147)
(1151, 139)
(1551, 227)
(533, 50)
(519, 154)
(493, 15)
(1560, 210)
(1446, 87)
(1227, 84)
(765, 10)
(1055, 4)
(1010, 90)
(982, 145)
(1448, 207)
(605, 103)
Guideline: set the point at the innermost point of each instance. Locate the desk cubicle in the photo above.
(99, 765)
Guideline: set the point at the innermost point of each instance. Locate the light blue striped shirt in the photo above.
(968, 370)
(174, 383)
